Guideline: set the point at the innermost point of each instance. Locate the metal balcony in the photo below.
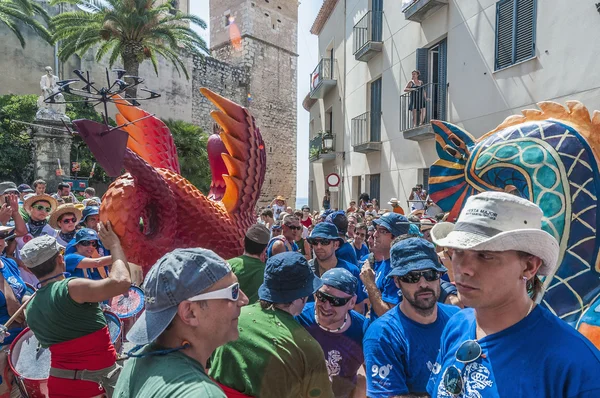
(419, 107)
(366, 133)
(322, 79)
(367, 36)
(322, 148)
(419, 10)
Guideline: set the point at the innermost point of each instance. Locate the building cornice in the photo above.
(215, 48)
(323, 16)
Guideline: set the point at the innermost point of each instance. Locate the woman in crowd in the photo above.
(326, 200)
(65, 220)
(306, 220)
(85, 261)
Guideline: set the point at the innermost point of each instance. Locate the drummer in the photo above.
(83, 259)
(66, 317)
(65, 219)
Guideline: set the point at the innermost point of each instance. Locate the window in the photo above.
(515, 32)
(374, 187)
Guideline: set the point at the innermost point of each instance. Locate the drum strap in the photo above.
(106, 377)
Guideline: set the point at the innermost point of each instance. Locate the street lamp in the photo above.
(328, 142)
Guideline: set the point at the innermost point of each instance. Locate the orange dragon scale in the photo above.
(152, 208)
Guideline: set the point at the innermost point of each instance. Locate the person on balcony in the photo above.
(417, 98)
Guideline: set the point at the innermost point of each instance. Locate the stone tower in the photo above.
(267, 49)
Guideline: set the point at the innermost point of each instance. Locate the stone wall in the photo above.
(224, 79)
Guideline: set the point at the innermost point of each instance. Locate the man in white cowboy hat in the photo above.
(396, 208)
(504, 345)
(65, 219)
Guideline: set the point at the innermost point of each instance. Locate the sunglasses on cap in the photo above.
(42, 208)
(430, 275)
(334, 301)
(294, 228)
(322, 242)
(88, 243)
(231, 293)
(468, 352)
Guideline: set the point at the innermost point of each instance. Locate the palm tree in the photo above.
(13, 12)
(130, 30)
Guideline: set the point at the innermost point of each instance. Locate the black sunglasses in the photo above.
(334, 301)
(322, 242)
(88, 243)
(430, 275)
(296, 228)
(468, 352)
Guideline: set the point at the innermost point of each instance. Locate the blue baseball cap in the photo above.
(85, 234)
(176, 276)
(339, 219)
(288, 277)
(413, 254)
(340, 279)
(89, 211)
(325, 214)
(325, 230)
(396, 223)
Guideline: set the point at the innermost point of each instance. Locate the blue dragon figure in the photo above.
(550, 156)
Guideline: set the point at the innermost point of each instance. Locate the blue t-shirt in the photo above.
(346, 252)
(361, 292)
(10, 272)
(295, 247)
(387, 287)
(343, 351)
(363, 251)
(400, 353)
(539, 356)
(72, 260)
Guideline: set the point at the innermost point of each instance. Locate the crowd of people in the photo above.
(366, 302)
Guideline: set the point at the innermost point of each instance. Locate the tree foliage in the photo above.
(14, 13)
(16, 161)
(191, 142)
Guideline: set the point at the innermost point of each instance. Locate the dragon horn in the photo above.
(228, 107)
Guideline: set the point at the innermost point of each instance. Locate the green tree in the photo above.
(16, 12)
(130, 30)
(191, 142)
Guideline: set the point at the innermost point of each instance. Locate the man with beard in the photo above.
(402, 346)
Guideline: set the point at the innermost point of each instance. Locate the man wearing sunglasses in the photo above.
(360, 236)
(338, 329)
(503, 344)
(345, 251)
(325, 240)
(65, 219)
(401, 346)
(286, 242)
(83, 259)
(274, 355)
(383, 293)
(193, 304)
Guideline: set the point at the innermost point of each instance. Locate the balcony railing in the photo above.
(322, 79)
(367, 36)
(322, 147)
(418, 107)
(419, 10)
(366, 133)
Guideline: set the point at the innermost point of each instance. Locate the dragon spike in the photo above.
(235, 147)
(230, 125)
(579, 111)
(554, 108)
(596, 118)
(235, 168)
(232, 193)
(532, 113)
(230, 108)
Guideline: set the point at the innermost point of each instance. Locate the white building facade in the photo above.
(480, 61)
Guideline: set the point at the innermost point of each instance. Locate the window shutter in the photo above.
(374, 187)
(505, 11)
(376, 110)
(525, 30)
(423, 64)
(442, 77)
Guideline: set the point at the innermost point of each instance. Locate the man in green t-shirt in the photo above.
(65, 317)
(249, 267)
(275, 357)
(193, 302)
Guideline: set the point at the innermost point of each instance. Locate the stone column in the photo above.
(50, 143)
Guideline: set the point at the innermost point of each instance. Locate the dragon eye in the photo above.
(452, 152)
(455, 140)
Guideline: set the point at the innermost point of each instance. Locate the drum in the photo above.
(114, 328)
(30, 364)
(128, 307)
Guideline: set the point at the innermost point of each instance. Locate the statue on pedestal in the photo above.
(55, 110)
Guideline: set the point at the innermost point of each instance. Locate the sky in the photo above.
(307, 60)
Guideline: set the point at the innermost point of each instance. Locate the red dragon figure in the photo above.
(175, 213)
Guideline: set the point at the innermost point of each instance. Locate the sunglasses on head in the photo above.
(334, 301)
(294, 228)
(89, 243)
(430, 275)
(231, 293)
(322, 242)
(468, 352)
(68, 220)
(42, 208)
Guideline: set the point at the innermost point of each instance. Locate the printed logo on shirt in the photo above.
(476, 378)
(334, 358)
(381, 371)
(434, 367)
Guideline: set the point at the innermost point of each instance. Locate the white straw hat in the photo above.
(497, 221)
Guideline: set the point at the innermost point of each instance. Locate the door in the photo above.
(376, 111)
(374, 187)
(377, 20)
